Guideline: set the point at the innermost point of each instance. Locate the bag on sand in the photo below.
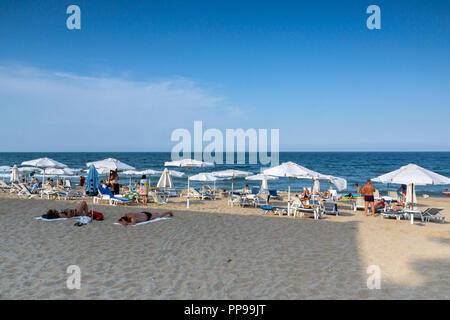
(97, 215)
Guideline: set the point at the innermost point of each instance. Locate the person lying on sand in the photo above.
(81, 210)
(133, 218)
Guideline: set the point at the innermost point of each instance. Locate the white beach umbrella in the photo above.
(188, 163)
(110, 164)
(205, 177)
(176, 174)
(165, 181)
(61, 172)
(26, 170)
(412, 174)
(150, 173)
(5, 169)
(131, 173)
(291, 170)
(44, 163)
(232, 173)
(14, 174)
(263, 178)
(340, 183)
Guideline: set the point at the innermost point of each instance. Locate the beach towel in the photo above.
(145, 222)
(57, 219)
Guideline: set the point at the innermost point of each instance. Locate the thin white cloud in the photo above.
(133, 114)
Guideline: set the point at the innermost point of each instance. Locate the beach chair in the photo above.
(275, 210)
(389, 213)
(261, 199)
(197, 194)
(156, 198)
(376, 195)
(4, 186)
(311, 208)
(359, 204)
(69, 194)
(193, 193)
(330, 207)
(106, 194)
(334, 195)
(25, 192)
(68, 184)
(394, 196)
(234, 199)
(15, 188)
(274, 194)
(433, 214)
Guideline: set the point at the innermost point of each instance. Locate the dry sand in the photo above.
(213, 251)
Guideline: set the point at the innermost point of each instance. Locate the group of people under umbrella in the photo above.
(411, 174)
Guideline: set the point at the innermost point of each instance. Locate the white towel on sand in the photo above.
(57, 219)
(145, 222)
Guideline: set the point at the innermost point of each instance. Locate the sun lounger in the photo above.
(4, 186)
(156, 198)
(108, 195)
(376, 195)
(276, 210)
(433, 214)
(392, 214)
(261, 199)
(274, 194)
(70, 194)
(25, 192)
(330, 207)
(394, 196)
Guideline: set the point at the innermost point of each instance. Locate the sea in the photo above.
(355, 167)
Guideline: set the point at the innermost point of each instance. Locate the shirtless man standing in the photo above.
(133, 218)
(368, 191)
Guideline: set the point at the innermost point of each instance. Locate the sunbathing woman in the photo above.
(133, 218)
(81, 210)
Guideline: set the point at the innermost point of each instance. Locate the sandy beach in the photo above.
(213, 251)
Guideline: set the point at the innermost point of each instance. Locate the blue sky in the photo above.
(137, 70)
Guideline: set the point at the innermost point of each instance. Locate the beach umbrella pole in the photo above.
(289, 197)
(412, 203)
(189, 189)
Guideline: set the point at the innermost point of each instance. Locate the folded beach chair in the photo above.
(113, 200)
(330, 207)
(433, 214)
